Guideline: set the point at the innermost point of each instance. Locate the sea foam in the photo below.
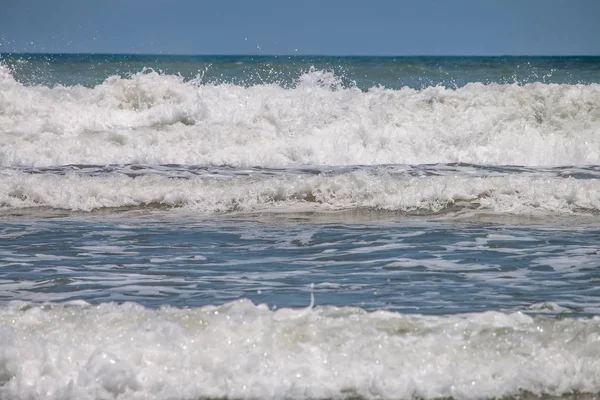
(368, 189)
(151, 118)
(242, 350)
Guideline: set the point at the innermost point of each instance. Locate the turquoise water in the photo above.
(299, 227)
(363, 72)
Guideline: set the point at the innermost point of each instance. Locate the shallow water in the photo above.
(398, 264)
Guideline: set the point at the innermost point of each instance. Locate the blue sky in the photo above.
(331, 27)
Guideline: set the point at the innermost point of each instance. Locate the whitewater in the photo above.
(161, 119)
(208, 227)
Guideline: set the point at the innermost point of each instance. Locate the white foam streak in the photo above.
(159, 119)
(362, 189)
(240, 350)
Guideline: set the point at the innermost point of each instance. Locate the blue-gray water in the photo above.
(299, 227)
(364, 72)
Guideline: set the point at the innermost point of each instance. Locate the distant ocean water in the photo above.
(179, 227)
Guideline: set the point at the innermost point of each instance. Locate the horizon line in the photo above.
(292, 55)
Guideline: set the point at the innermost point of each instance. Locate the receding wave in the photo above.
(441, 189)
(242, 350)
(151, 118)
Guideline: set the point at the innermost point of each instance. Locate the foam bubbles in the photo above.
(242, 350)
(160, 119)
(370, 189)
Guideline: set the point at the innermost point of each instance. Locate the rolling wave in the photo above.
(435, 190)
(154, 119)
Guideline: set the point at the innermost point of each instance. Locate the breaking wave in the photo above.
(151, 118)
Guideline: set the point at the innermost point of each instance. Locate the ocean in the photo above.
(262, 227)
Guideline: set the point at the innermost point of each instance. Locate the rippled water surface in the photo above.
(400, 264)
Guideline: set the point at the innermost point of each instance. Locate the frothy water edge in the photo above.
(242, 350)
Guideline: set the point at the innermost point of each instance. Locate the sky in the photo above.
(315, 27)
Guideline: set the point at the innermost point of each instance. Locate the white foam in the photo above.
(361, 189)
(241, 350)
(160, 119)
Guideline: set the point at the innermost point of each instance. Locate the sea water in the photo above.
(299, 227)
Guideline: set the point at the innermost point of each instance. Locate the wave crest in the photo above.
(379, 190)
(152, 118)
